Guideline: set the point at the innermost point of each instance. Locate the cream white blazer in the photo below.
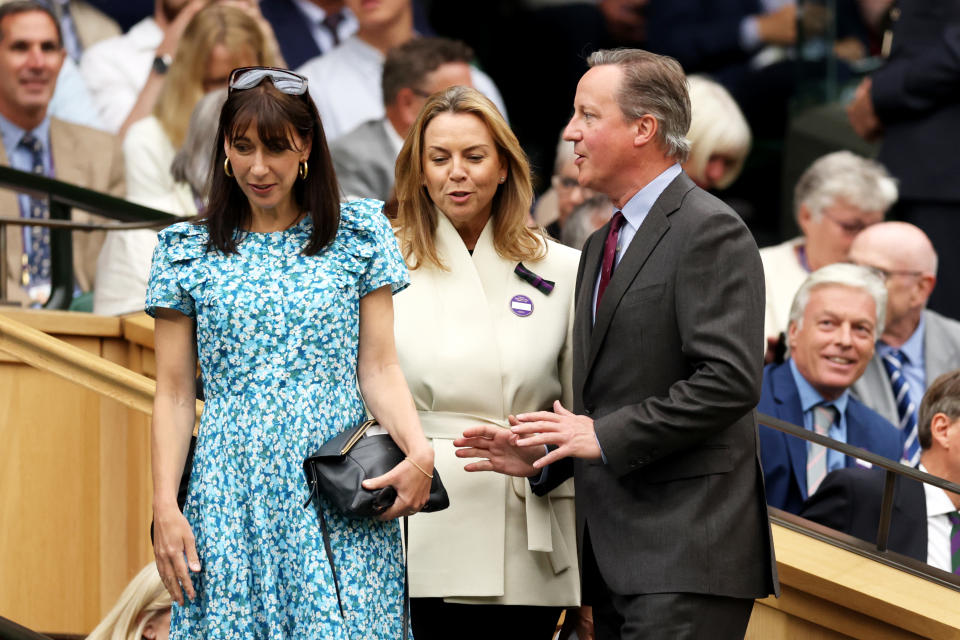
(469, 359)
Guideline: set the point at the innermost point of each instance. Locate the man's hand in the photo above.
(861, 114)
(499, 449)
(572, 435)
(778, 27)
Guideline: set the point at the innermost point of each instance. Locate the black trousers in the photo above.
(670, 616)
(434, 619)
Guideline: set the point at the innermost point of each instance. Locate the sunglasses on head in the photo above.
(283, 80)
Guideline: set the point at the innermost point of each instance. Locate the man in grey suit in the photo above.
(662, 440)
(364, 158)
(917, 344)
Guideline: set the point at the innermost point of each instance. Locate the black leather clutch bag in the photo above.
(337, 468)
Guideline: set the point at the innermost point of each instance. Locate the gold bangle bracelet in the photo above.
(419, 468)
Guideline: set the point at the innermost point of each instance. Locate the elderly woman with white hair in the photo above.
(719, 135)
(837, 197)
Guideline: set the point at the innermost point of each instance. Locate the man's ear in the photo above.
(804, 218)
(645, 130)
(792, 335)
(939, 426)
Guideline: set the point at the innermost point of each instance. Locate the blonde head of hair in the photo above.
(417, 215)
(142, 600)
(213, 25)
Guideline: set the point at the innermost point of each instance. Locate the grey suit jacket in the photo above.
(364, 160)
(941, 350)
(670, 373)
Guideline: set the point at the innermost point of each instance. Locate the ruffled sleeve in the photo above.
(173, 279)
(369, 239)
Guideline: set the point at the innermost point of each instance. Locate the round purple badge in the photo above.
(521, 306)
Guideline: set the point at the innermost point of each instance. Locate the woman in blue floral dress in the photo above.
(289, 296)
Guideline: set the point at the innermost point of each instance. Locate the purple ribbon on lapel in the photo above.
(543, 286)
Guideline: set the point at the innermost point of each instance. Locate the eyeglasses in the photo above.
(850, 228)
(283, 80)
(886, 274)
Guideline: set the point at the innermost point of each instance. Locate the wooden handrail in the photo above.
(47, 353)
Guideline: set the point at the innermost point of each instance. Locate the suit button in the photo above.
(588, 409)
(587, 412)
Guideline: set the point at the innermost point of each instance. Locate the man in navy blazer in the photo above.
(849, 500)
(303, 36)
(835, 318)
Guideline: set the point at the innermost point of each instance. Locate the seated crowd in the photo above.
(853, 351)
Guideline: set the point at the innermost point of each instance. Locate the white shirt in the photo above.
(345, 84)
(938, 526)
(116, 69)
(123, 266)
(321, 34)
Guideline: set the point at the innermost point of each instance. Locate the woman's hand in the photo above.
(175, 550)
(412, 484)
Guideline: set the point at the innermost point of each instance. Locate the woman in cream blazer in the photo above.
(478, 342)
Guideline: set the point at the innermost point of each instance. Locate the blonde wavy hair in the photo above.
(213, 25)
(416, 221)
(142, 600)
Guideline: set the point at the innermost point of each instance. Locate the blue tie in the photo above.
(906, 411)
(35, 261)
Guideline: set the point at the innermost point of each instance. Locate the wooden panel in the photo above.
(67, 322)
(50, 556)
(767, 623)
(877, 592)
(138, 329)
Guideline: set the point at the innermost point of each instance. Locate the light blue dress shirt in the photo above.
(635, 212)
(915, 365)
(22, 159)
(809, 398)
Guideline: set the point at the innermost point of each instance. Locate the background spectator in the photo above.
(365, 156)
(838, 196)
(123, 267)
(142, 611)
(836, 316)
(912, 104)
(917, 344)
(719, 135)
(217, 40)
(125, 74)
(345, 83)
(849, 499)
(308, 28)
(565, 194)
(31, 54)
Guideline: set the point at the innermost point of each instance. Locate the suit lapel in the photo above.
(787, 399)
(653, 228)
(583, 320)
(874, 390)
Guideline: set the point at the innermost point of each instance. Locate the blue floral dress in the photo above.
(277, 336)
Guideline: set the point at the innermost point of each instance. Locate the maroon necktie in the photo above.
(609, 254)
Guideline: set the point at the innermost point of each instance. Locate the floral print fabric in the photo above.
(277, 337)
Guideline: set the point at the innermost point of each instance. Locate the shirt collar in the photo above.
(912, 348)
(810, 397)
(311, 11)
(12, 134)
(637, 207)
(938, 502)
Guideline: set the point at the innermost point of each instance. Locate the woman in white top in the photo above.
(483, 332)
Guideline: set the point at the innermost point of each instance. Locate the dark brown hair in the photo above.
(942, 396)
(29, 6)
(277, 116)
(408, 64)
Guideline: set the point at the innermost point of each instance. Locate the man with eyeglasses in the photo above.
(836, 198)
(917, 344)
